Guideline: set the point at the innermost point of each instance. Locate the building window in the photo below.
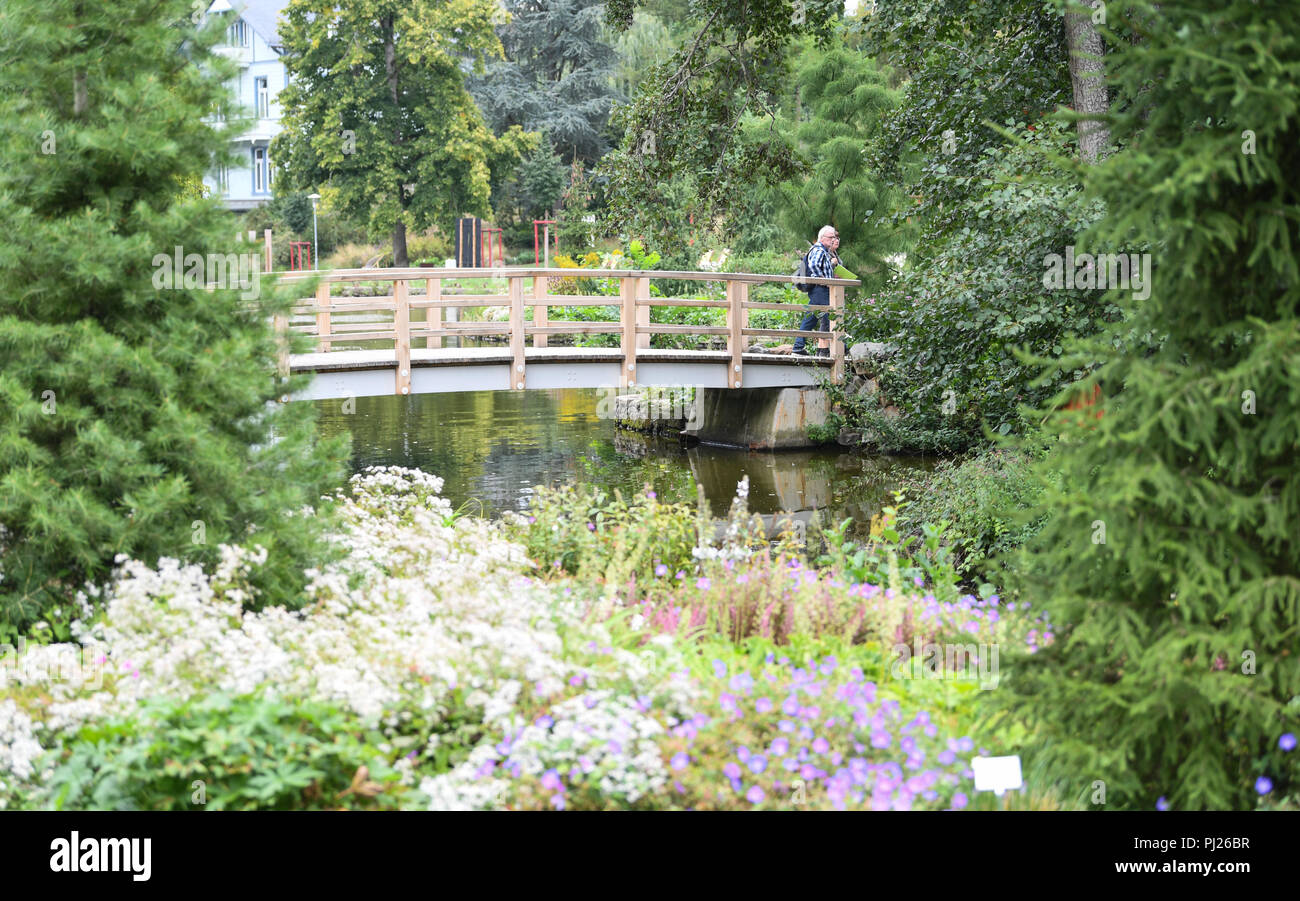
(238, 34)
(259, 170)
(223, 179)
(263, 94)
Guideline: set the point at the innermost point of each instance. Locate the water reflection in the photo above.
(493, 447)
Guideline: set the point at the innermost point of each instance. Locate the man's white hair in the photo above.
(826, 230)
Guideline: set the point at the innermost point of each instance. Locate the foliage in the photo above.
(377, 106)
(960, 314)
(603, 537)
(888, 558)
(842, 98)
(683, 151)
(970, 145)
(1179, 671)
(251, 752)
(980, 496)
(556, 77)
(534, 190)
(142, 415)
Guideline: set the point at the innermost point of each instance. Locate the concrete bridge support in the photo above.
(758, 418)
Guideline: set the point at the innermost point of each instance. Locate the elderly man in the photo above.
(821, 262)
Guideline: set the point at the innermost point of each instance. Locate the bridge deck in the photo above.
(368, 373)
(478, 356)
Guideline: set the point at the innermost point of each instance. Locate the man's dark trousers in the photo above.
(820, 295)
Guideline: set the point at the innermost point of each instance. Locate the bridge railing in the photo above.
(330, 317)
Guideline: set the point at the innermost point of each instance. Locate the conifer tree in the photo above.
(557, 76)
(844, 97)
(141, 408)
(1171, 560)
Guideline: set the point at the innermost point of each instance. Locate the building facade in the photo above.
(252, 41)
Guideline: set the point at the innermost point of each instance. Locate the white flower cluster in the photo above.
(19, 748)
(421, 604)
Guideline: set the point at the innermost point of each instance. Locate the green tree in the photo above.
(842, 99)
(377, 106)
(141, 407)
(686, 120)
(1171, 560)
(972, 144)
(557, 76)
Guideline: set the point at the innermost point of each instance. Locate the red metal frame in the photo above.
(537, 246)
(297, 250)
(486, 250)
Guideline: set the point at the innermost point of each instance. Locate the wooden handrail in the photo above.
(529, 287)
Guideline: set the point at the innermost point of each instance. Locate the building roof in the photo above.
(262, 15)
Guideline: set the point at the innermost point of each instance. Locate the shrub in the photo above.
(981, 496)
(222, 753)
(587, 532)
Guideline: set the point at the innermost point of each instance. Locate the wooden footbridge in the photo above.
(406, 338)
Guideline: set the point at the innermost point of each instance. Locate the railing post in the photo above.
(643, 311)
(433, 315)
(323, 316)
(737, 295)
(627, 288)
(517, 375)
(402, 326)
(539, 309)
(837, 330)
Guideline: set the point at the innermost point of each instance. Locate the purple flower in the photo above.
(780, 746)
(731, 770)
(615, 747)
(680, 760)
(703, 583)
(557, 801)
(651, 495)
(719, 668)
(965, 744)
(1162, 803)
(959, 801)
(742, 682)
(1287, 742)
(681, 574)
(947, 758)
(763, 705)
(785, 726)
(1263, 785)
(880, 739)
(821, 745)
(757, 763)
(743, 753)
(661, 570)
(551, 781)
(591, 527)
(544, 722)
(755, 795)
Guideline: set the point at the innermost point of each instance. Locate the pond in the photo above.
(494, 447)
